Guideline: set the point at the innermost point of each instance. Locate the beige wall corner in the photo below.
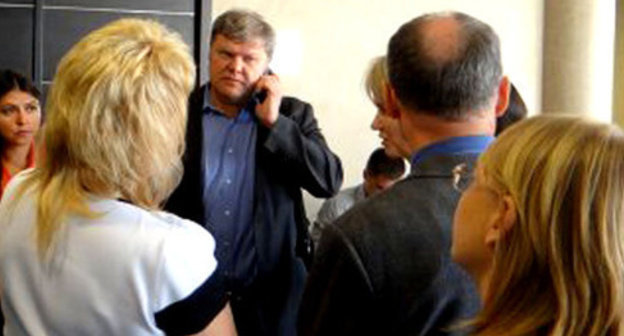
(578, 57)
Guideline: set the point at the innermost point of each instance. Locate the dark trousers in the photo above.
(270, 306)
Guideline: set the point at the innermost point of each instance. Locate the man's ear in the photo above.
(392, 102)
(505, 218)
(503, 96)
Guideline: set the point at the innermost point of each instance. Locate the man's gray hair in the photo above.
(242, 26)
(449, 87)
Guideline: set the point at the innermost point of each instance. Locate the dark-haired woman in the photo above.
(20, 118)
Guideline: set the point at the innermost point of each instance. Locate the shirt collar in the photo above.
(244, 116)
(456, 145)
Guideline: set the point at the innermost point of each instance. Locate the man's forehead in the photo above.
(256, 44)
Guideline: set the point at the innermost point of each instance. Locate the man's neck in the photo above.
(229, 110)
(422, 130)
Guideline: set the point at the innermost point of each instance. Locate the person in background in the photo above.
(20, 119)
(84, 249)
(250, 151)
(376, 84)
(515, 112)
(380, 173)
(540, 229)
(384, 267)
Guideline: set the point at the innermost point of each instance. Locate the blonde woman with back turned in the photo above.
(540, 229)
(84, 249)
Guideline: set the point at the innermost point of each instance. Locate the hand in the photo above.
(268, 111)
(222, 324)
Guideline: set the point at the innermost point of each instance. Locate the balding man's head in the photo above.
(447, 65)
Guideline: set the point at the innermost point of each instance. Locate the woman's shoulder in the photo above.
(157, 223)
(181, 251)
(188, 258)
(185, 231)
(8, 192)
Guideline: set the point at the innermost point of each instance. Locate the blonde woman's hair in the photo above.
(116, 123)
(559, 270)
(376, 80)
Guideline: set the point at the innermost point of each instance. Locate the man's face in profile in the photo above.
(235, 67)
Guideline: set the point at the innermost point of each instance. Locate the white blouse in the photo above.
(109, 275)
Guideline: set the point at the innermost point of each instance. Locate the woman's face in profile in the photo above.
(478, 209)
(20, 116)
(390, 133)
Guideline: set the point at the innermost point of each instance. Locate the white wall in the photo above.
(333, 42)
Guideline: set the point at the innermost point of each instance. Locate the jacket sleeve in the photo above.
(338, 296)
(324, 217)
(297, 142)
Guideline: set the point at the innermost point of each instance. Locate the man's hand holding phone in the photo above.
(268, 91)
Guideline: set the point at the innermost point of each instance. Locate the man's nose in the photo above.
(236, 64)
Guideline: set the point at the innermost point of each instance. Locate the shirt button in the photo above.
(230, 151)
(228, 181)
(227, 212)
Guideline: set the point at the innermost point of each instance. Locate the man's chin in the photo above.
(233, 98)
(236, 100)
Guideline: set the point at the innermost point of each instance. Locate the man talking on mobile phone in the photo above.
(249, 152)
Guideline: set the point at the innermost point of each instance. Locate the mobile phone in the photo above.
(260, 96)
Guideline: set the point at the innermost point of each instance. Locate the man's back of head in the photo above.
(381, 171)
(379, 163)
(385, 265)
(445, 64)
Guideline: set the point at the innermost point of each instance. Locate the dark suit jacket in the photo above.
(291, 155)
(384, 267)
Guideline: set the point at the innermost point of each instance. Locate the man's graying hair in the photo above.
(243, 25)
(448, 87)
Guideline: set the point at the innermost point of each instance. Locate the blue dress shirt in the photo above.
(228, 170)
(456, 145)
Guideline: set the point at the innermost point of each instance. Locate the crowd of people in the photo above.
(148, 206)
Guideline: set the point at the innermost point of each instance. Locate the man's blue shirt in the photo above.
(229, 171)
(456, 145)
